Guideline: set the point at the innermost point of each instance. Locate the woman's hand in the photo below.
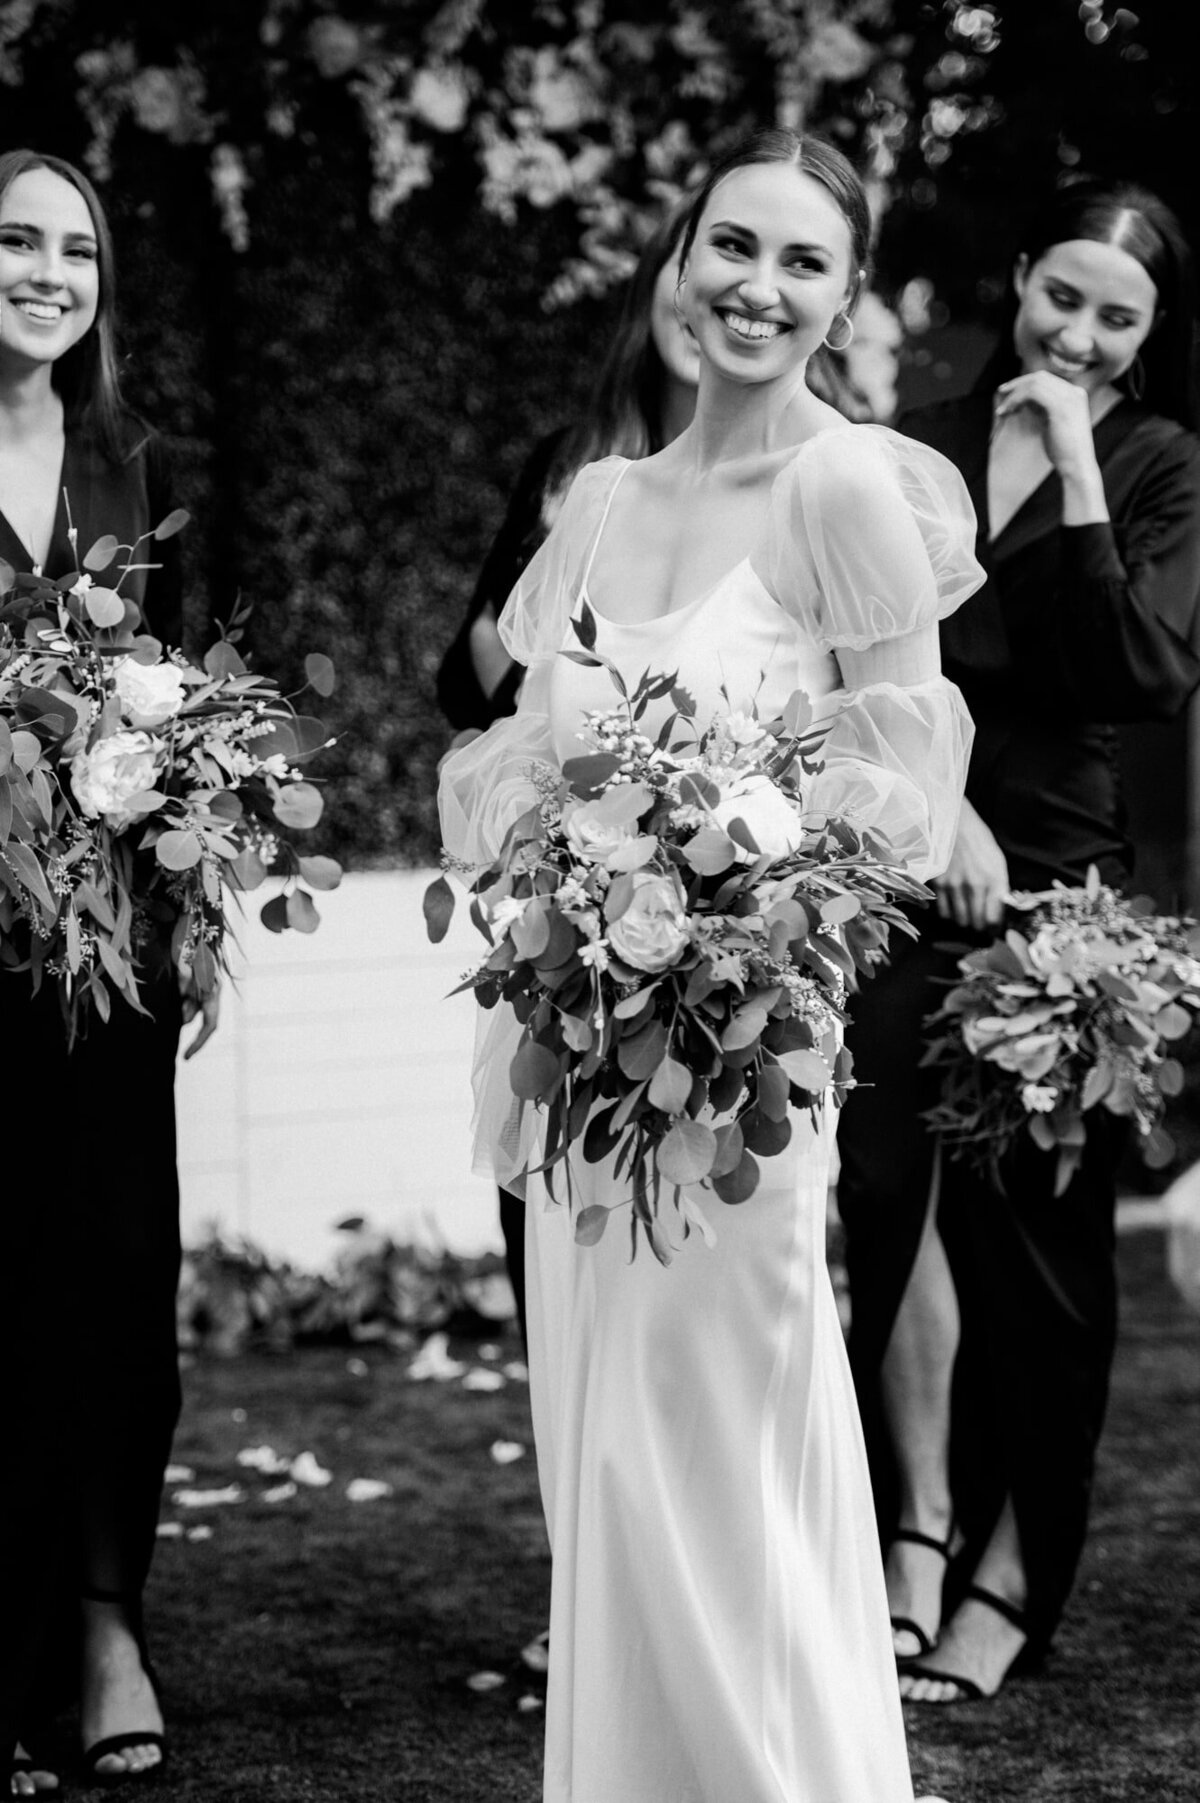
(208, 1007)
(1062, 411)
(490, 660)
(973, 888)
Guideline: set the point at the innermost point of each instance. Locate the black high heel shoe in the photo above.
(1025, 1659)
(904, 1624)
(132, 1737)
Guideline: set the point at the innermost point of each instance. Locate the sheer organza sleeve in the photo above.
(487, 784)
(869, 543)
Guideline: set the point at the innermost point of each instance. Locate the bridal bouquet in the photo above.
(138, 790)
(1075, 1008)
(675, 932)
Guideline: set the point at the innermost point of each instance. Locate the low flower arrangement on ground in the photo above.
(378, 1290)
(675, 932)
(1076, 1008)
(137, 791)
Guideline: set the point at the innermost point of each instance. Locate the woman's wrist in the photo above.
(1084, 500)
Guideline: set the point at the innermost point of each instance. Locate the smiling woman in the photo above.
(984, 1318)
(90, 1407)
(718, 1623)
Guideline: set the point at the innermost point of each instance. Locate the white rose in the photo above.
(150, 693)
(652, 932)
(115, 769)
(772, 819)
(595, 830)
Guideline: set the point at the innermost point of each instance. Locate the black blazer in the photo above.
(126, 498)
(1075, 629)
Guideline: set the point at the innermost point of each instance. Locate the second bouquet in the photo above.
(675, 926)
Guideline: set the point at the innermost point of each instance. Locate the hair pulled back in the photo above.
(1136, 221)
(811, 156)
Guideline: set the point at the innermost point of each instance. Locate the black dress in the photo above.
(1077, 627)
(465, 704)
(89, 1230)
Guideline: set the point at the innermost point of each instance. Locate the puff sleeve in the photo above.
(488, 784)
(869, 543)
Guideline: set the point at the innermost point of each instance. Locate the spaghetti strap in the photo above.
(587, 568)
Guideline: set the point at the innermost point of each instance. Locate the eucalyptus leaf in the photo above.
(178, 849)
(104, 607)
(299, 805)
(670, 1086)
(273, 913)
(102, 553)
(590, 1224)
(175, 521)
(301, 912)
(686, 1152)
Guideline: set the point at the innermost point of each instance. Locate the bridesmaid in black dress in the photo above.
(983, 1324)
(89, 1239)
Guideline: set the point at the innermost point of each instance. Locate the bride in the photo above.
(718, 1628)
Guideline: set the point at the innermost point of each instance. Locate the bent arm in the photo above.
(1125, 622)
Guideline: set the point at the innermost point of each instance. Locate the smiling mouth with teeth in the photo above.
(751, 329)
(43, 310)
(1077, 365)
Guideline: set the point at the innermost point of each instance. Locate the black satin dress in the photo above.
(465, 704)
(89, 1227)
(1076, 628)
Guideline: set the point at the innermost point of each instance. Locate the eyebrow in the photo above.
(727, 225)
(35, 231)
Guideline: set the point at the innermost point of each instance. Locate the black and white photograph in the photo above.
(600, 901)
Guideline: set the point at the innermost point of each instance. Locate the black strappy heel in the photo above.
(904, 1624)
(968, 1690)
(132, 1737)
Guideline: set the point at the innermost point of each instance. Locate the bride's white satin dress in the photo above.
(719, 1629)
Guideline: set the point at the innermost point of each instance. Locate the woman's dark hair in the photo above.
(811, 156)
(1138, 222)
(86, 376)
(625, 412)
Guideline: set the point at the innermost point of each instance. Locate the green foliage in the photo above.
(234, 1296)
(663, 922)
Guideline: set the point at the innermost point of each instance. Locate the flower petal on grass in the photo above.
(483, 1380)
(264, 1459)
(433, 1361)
(367, 1489)
(306, 1469)
(208, 1499)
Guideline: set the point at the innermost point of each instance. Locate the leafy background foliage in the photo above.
(368, 254)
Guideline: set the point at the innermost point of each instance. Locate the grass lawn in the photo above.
(319, 1648)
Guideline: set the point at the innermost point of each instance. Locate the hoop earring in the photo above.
(844, 343)
(1135, 378)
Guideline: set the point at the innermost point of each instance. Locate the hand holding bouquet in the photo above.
(1076, 1008)
(675, 929)
(137, 790)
